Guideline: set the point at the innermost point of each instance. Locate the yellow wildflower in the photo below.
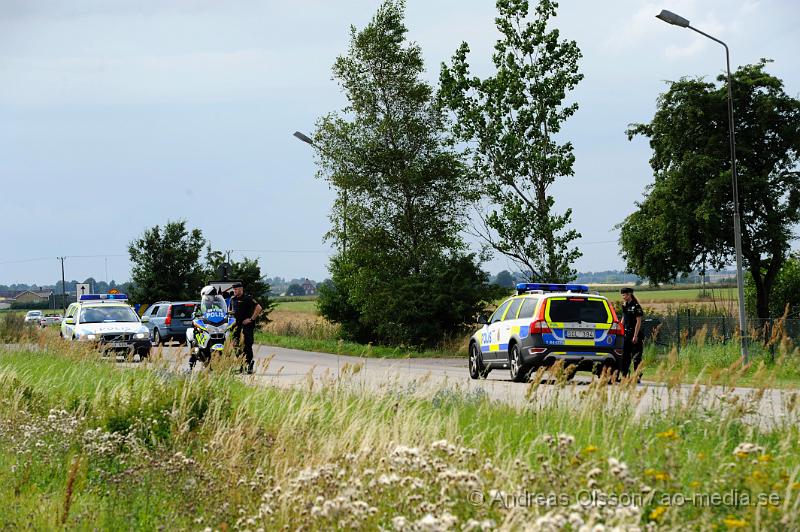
(734, 522)
(694, 484)
(758, 475)
(796, 486)
(590, 449)
(765, 458)
(661, 475)
(741, 454)
(656, 514)
(701, 456)
(668, 434)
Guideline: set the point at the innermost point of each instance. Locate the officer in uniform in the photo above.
(632, 317)
(246, 311)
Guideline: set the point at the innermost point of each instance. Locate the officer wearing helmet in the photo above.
(632, 317)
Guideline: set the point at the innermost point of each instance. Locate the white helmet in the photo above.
(208, 291)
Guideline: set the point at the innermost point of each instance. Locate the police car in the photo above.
(107, 320)
(544, 324)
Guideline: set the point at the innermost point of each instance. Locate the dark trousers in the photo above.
(246, 343)
(630, 352)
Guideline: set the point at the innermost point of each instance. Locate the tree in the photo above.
(505, 279)
(685, 221)
(403, 193)
(785, 295)
(295, 290)
(511, 122)
(166, 263)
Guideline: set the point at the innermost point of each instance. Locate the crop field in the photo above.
(87, 444)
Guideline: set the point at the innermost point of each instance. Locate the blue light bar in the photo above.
(102, 297)
(551, 287)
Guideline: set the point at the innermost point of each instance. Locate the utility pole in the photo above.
(228, 254)
(63, 286)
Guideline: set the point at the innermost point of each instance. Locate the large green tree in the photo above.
(403, 195)
(166, 263)
(685, 221)
(511, 123)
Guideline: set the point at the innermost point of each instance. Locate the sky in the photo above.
(119, 115)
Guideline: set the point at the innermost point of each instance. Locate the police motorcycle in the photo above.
(211, 327)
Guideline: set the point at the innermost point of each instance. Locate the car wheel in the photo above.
(518, 371)
(156, 337)
(476, 369)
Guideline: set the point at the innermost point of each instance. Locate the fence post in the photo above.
(724, 330)
(678, 329)
(689, 332)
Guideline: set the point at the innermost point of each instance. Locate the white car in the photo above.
(108, 321)
(33, 316)
(50, 320)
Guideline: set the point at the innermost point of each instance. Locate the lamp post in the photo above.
(676, 20)
(305, 138)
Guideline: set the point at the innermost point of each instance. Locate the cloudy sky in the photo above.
(119, 115)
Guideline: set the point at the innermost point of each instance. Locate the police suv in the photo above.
(543, 324)
(108, 321)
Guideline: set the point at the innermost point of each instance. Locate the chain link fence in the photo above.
(678, 328)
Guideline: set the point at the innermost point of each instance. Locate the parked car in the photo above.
(169, 320)
(107, 321)
(546, 323)
(52, 319)
(33, 316)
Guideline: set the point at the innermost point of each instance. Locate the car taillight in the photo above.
(540, 327)
(617, 328)
(168, 321)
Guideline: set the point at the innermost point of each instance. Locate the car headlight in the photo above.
(139, 336)
(91, 337)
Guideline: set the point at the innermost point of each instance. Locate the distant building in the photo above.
(309, 287)
(29, 296)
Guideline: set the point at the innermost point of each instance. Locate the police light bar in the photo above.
(103, 297)
(551, 287)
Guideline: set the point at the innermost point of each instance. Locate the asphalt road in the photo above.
(429, 376)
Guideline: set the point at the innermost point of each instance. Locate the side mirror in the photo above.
(482, 319)
(70, 321)
(145, 319)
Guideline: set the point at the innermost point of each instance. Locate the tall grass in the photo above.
(94, 445)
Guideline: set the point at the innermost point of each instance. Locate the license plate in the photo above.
(118, 344)
(580, 333)
(187, 322)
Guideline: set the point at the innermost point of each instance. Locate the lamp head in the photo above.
(303, 137)
(672, 18)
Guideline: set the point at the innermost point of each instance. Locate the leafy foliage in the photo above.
(511, 121)
(295, 290)
(685, 221)
(785, 295)
(166, 263)
(402, 195)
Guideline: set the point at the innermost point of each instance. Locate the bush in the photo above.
(417, 310)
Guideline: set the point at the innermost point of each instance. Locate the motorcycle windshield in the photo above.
(214, 309)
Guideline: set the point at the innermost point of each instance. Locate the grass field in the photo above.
(87, 445)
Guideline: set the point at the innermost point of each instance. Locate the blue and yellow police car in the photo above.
(546, 323)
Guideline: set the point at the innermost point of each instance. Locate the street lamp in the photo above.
(677, 20)
(305, 138)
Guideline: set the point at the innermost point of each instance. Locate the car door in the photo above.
(490, 339)
(509, 320)
(67, 330)
(151, 314)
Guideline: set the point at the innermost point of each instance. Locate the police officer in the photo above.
(246, 311)
(632, 317)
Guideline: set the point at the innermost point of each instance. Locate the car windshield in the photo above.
(107, 314)
(210, 303)
(578, 309)
(34, 313)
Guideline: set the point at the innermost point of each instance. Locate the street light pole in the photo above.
(305, 138)
(677, 20)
